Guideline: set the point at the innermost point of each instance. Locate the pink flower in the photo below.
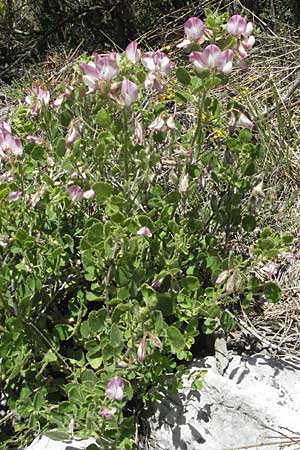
(142, 350)
(161, 124)
(72, 134)
(183, 184)
(88, 195)
(10, 144)
(159, 66)
(62, 97)
(194, 32)
(35, 140)
(4, 127)
(138, 132)
(144, 231)
(241, 121)
(213, 59)
(132, 52)
(115, 388)
(240, 27)
(107, 412)
(36, 98)
(75, 192)
(13, 196)
(104, 68)
(129, 92)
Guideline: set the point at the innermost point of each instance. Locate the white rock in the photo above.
(45, 443)
(256, 401)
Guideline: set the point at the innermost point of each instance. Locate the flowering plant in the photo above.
(118, 230)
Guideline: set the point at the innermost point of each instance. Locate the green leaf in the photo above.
(103, 191)
(97, 319)
(118, 311)
(95, 233)
(38, 153)
(249, 223)
(183, 76)
(181, 97)
(176, 339)
(116, 336)
(165, 303)
(89, 378)
(85, 329)
(190, 283)
(38, 400)
(245, 135)
(141, 76)
(95, 361)
(103, 118)
(272, 292)
(74, 393)
(146, 221)
(57, 435)
(250, 169)
(62, 331)
(227, 321)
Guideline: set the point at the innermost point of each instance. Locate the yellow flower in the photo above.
(167, 48)
(218, 134)
(161, 97)
(245, 91)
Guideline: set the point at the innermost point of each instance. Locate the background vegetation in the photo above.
(31, 28)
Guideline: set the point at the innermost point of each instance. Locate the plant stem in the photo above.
(198, 133)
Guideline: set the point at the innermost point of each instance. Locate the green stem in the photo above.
(125, 144)
(197, 138)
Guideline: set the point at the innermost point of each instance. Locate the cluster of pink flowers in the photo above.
(212, 58)
(76, 193)
(9, 144)
(99, 74)
(159, 69)
(36, 98)
(240, 27)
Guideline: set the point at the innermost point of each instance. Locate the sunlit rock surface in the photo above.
(255, 404)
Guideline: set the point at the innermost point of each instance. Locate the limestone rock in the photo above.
(255, 404)
(46, 443)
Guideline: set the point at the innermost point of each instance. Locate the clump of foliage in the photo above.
(125, 231)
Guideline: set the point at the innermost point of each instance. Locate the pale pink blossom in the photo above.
(160, 68)
(142, 350)
(138, 132)
(129, 92)
(62, 97)
(36, 98)
(10, 144)
(240, 121)
(132, 52)
(72, 134)
(35, 140)
(194, 32)
(162, 124)
(103, 68)
(144, 231)
(13, 196)
(107, 412)
(4, 127)
(183, 184)
(213, 59)
(240, 27)
(88, 195)
(115, 388)
(75, 192)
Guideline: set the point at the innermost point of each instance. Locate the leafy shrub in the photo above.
(123, 229)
